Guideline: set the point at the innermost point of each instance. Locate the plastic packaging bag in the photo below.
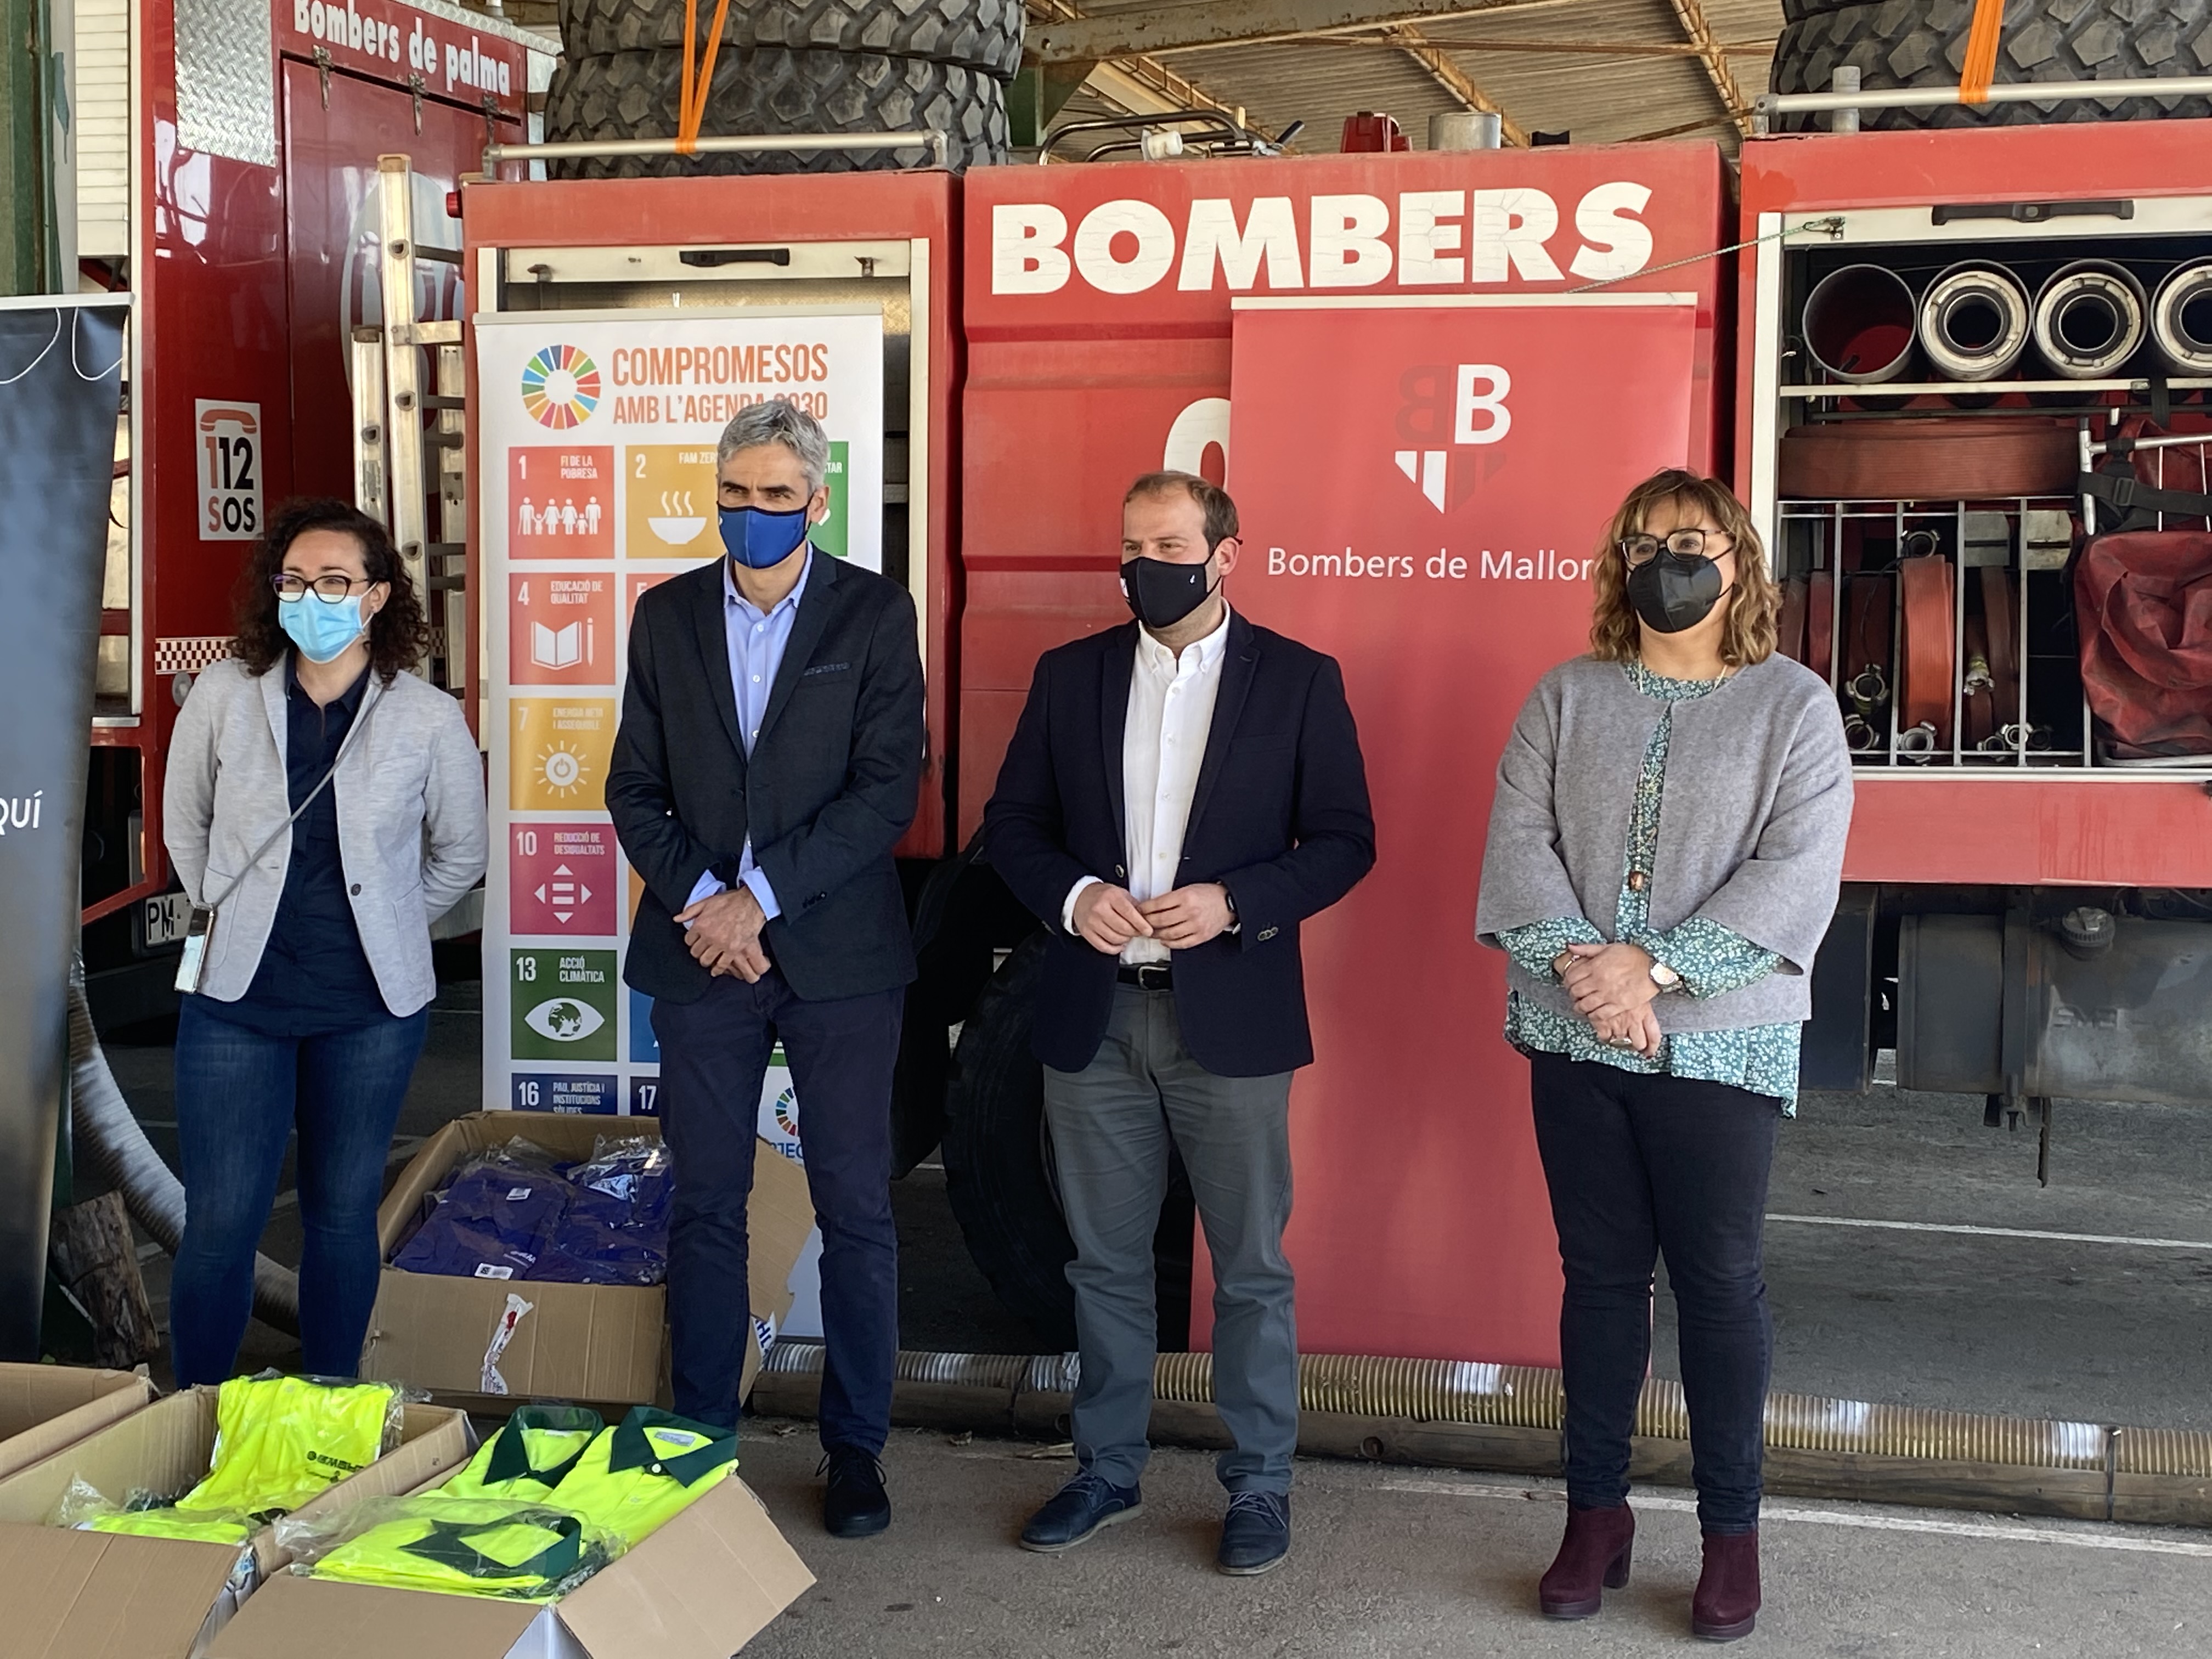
(616, 1230)
(493, 1218)
(516, 1551)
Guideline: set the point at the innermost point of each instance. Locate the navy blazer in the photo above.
(1281, 817)
(829, 789)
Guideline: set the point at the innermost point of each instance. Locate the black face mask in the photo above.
(1672, 593)
(1162, 594)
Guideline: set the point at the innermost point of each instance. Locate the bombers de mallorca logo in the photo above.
(1447, 406)
(560, 388)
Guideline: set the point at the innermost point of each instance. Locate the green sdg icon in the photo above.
(830, 535)
(561, 1004)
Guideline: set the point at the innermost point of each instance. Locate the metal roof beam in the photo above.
(1236, 23)
(1453, 79)
(1691, 14)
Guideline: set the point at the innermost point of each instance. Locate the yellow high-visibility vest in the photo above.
(283, 1440)
(533, 1451)
(522, 1552)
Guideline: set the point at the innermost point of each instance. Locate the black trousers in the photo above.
(713, 1054)
(1638, 1164)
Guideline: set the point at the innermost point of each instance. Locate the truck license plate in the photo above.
(162, 920)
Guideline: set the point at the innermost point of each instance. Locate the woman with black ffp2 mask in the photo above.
(1658, 982)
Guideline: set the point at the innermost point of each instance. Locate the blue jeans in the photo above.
(713, 1054)
(239, 1094)
(1639, 1165)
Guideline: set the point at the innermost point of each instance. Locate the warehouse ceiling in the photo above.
(1605, 71)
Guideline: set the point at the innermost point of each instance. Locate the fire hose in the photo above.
(116, 1146)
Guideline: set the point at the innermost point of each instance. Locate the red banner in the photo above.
(1423, 486)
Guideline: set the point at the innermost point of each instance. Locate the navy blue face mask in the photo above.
(758, 538)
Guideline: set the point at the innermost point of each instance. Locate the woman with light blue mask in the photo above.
(327, 806)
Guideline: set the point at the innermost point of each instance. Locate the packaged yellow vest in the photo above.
(198, 1528)
(646, 1469)
(532, 1453)
(523, 1552)
(283, 1440)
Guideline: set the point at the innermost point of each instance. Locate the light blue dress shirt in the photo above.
(757, 643)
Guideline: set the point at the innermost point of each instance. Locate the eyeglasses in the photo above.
(330, 590)
(1683, 544)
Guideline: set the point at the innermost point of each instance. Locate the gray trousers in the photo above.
(1113, 1124)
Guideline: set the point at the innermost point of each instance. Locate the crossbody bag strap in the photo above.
(371, 700)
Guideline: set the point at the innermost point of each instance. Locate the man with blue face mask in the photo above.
(768, 762)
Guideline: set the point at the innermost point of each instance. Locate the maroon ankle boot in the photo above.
(1593, 1557)
(1726, 1605)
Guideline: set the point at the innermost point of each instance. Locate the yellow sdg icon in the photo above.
(558, 750)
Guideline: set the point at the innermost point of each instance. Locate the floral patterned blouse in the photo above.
(1711, 958)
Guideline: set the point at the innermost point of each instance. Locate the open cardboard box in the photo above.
(487, 1343)
(43, 1408)
(102, 1596)
(699, 1588)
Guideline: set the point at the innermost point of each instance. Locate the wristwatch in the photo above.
(1665, 977)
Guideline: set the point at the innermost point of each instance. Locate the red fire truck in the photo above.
(226, 176)
(1427, 376)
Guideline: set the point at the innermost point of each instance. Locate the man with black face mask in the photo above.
(1181, 793)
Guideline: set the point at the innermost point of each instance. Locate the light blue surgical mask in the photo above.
(758, 538)
(322, 631)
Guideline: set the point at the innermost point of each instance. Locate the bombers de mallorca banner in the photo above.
(596, 458)
(1441, 553)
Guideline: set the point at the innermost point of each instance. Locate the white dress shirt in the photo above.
(1171, 713)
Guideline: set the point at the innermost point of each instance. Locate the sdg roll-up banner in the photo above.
(61, 363)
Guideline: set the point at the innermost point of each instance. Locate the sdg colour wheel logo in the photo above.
(560, 388)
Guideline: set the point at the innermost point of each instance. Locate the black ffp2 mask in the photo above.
(1672, 593)
(1162, 594)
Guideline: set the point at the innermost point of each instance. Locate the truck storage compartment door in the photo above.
(1441, 553)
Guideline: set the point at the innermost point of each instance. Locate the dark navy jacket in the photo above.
(1281, 817)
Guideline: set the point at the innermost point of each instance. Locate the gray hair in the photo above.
(778, 420)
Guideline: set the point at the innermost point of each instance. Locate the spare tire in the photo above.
(768, 90)
(1923, 42)
(979, 35)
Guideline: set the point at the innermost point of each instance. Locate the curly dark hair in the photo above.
(398, 635)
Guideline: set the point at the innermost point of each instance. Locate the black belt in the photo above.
(1148, 975)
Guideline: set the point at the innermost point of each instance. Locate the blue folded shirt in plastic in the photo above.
(511, 1212)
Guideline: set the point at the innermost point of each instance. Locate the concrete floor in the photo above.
(1405, 1563)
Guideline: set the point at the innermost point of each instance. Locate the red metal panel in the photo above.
(693, 212)
(2027, 833)
(1098, 319)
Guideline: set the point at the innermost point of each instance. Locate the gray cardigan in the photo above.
(1755, 808)
(411, 799)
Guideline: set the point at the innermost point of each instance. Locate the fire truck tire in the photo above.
(978, 34)
(769, 90)
(1923, 42)
(995, 1173)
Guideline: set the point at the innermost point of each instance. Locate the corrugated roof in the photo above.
(1596, 97)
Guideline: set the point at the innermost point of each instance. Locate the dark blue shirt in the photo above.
(313, 978)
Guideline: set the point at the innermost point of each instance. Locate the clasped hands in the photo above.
(1613, 988)
(724, 933)
(1108, 918)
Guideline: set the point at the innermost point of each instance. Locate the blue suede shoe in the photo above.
(1076, 1511)
(1255, 1535)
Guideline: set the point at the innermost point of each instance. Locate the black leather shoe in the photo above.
(1076, 1511)
(855, 1504)
(1255, 1534)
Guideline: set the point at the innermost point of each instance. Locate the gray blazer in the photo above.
(411, 801)
(1756, 807)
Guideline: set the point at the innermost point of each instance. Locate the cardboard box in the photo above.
(101, 1595)
(486, 1343)
(699, 1588)
(43, 1408)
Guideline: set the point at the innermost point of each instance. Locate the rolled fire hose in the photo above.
(2089, 319)
(1973, 322)
(2181, 319)
(2000, 613)
(1858, 323)
(114, 1145)
(1924, 691)
(1821, 624)
(1789, 625)
(1866, 648)
(1978, 706)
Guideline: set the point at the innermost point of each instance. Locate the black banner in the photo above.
(61, 377)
